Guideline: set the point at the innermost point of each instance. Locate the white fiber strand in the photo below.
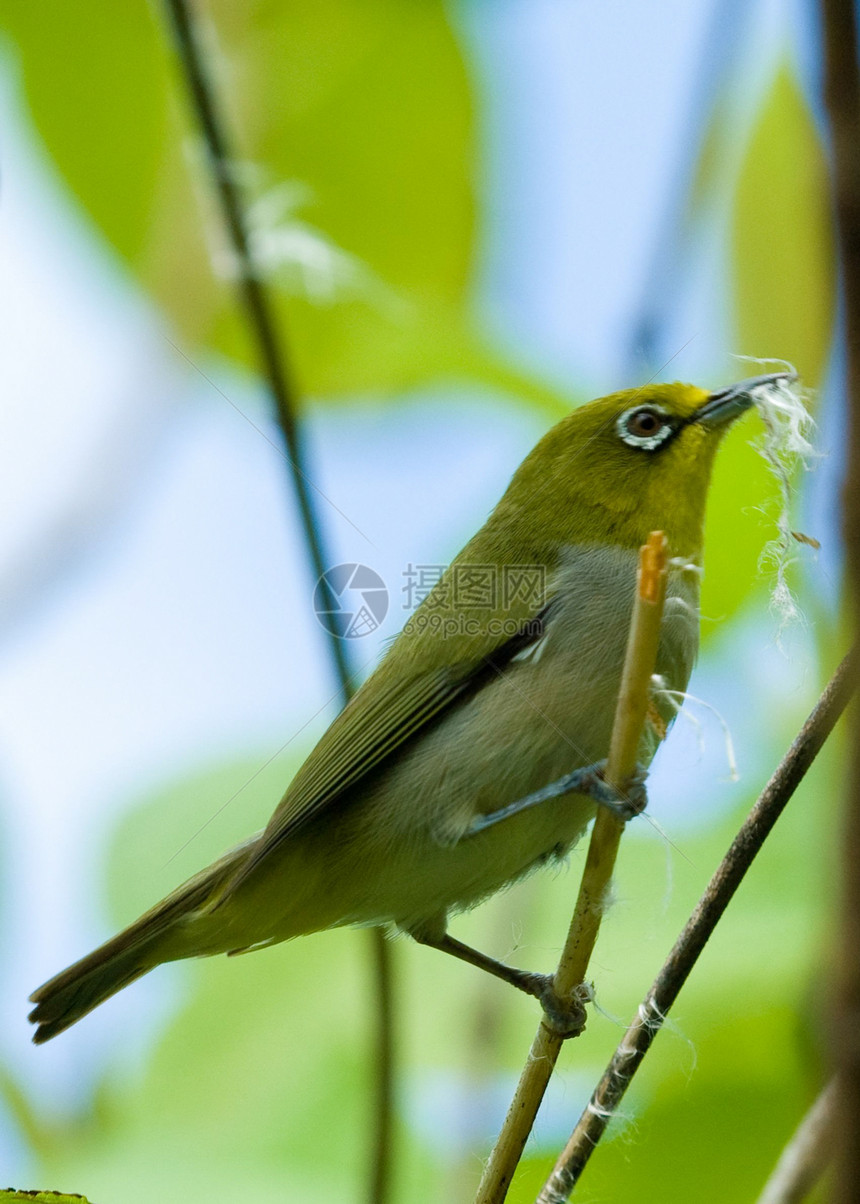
(677, 698)
(785, 446)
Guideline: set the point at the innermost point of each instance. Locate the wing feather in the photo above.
(389, 709)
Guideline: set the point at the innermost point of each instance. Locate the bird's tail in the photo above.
(146, 943)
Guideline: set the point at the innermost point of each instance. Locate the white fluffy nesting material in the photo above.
(785, 447)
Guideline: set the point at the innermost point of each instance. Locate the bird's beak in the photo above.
(727, 404)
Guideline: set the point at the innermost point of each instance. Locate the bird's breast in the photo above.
(594, 589)
(550, 710)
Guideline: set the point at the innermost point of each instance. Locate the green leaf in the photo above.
(96, 82)
(743, 505)
(363, 109)
(782, 237)
(41, 1197)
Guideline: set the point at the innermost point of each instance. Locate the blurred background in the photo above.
(474, 216)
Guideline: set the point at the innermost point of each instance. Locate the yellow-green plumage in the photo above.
(459, 719)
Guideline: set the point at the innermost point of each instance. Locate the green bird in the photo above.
(428, 792)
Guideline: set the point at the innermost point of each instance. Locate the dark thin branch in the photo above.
(254, 298)
(842, 96)
(256, 303)
(653, 1010)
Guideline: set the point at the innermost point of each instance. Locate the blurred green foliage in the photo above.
(782, 236)
(257, 1088)
(261, 1074)
(366, 104)
(40, 1197)
(101, 103)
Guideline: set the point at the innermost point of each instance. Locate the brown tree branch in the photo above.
(654, 1008)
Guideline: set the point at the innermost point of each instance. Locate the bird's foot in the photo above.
(624, 804)
(591, 781)
(565, 1016)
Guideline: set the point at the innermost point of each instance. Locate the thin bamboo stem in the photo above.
(640, 661)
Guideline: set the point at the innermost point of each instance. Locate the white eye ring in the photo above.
(652, 440)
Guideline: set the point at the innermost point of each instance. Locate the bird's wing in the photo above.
(389, 709)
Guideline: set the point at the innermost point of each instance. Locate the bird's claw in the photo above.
(564, 1016)
(624, 804)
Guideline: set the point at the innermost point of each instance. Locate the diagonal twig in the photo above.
(652, 1011)
(627, 729)
(805, 1158)
(255, 301)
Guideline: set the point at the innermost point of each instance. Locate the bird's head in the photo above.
(634, 462)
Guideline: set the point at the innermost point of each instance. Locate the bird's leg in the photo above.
(590, 780)
(565, 1016)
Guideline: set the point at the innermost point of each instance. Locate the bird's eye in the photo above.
(643, 422)
(646, 427)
